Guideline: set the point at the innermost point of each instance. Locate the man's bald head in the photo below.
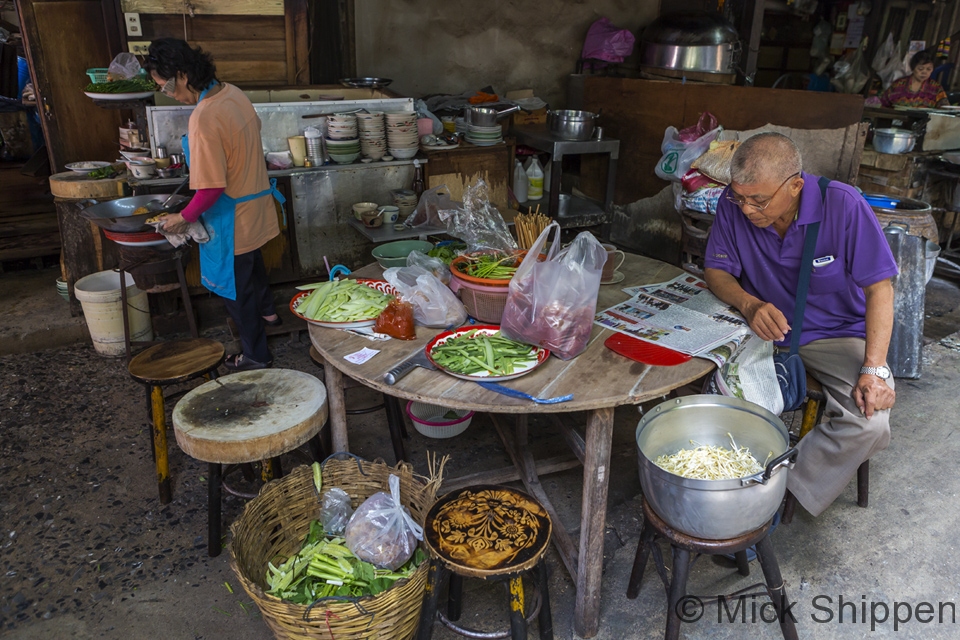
(765, 157)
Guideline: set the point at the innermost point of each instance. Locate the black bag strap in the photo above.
(806, 268)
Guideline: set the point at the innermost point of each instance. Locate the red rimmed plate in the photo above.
(380, 285)
(541, 355)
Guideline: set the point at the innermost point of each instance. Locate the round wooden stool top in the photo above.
(487, 531)
(702, 545)
(176, 361)
(250, 416)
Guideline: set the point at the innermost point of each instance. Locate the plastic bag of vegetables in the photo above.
(434, 304)
(552, 303)
(381, 530)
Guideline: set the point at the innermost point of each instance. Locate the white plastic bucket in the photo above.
(99, 295)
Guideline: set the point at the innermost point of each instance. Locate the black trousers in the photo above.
(254, 300)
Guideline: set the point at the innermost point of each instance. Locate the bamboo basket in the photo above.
(274, 524)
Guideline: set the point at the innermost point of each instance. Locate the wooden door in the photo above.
(64, 38)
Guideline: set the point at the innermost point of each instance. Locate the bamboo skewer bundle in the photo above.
(529, 226)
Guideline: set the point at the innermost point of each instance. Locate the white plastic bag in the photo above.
(434, 304)
(123, 67)
(887, 62)
(381, 530)
(678, 155)
(335, 511)
(436, 266)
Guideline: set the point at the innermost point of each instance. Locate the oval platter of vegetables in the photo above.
(480, 352)
(343, 304)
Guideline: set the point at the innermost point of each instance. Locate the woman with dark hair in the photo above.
(228, 173)
(917, 89)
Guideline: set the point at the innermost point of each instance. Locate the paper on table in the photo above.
(359, 357)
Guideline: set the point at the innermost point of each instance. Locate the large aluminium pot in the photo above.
(713, 509)
(118, 215)
(894, 141)
(690, 41)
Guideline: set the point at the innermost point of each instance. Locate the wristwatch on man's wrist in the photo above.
(881, 372)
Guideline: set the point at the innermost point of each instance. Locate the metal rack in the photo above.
(581, 213)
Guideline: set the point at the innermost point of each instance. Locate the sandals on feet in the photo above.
(276, 322)
(239, 362)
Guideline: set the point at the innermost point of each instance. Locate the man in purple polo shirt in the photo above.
(753, 263)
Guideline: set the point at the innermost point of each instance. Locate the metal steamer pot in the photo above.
(572, 125)
(690, 41)
(894, 140)
(713, 509)
(117, 215)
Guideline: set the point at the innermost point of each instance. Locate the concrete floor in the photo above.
(88, 551)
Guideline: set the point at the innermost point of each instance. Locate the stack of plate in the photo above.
(484, 136)
(343, 146)
(403, 139)
(405, 200)
(373, 137)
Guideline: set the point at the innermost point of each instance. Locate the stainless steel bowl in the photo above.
(572, 125)
(713, 509)
(894, 140)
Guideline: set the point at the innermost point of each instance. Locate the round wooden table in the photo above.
(599, 379)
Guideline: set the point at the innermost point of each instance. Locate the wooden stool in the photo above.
(487, 532)
(812, 412)
(169, 363)
(398, 429)
(683, 545)
(247, 417)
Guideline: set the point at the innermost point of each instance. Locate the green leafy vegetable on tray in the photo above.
(134, 85)
(325, 567)
(343, 301)
(474, 352)
(492, 266)
(101, 173)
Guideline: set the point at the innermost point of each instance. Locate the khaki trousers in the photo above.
(833, 450)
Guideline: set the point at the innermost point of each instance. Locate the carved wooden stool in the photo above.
(248, 417)
(165, 364)
(487, 532)
(683, 545)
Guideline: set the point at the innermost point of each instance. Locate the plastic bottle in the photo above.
(546, 175)
(520, 182)
(534, 180)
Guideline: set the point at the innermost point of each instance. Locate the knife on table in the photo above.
(418, 359)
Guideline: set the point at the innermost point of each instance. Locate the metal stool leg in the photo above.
(213, 509)
(863, 484)
(187, 304)
(518, 621)
(678, 589)
(647, 535)
(743, 566)
(160, 444)
(431, 594)
(778, 594)
(455, 597)
(545, 621)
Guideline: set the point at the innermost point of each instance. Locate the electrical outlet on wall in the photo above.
(132, 20)
(138, 47)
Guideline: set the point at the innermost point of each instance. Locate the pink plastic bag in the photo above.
(707, 122)
(552, 303)
(606, 42)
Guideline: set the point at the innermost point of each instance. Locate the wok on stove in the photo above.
(117, 215)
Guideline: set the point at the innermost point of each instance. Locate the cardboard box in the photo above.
(532, 117)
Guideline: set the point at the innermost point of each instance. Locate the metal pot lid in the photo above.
(690, 28)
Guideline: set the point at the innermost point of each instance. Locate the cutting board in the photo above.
(76, 186)
(645, 352)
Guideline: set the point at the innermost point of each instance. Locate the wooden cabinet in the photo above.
(461, 168)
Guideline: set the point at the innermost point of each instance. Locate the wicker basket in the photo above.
(273, 526)
(484, 303)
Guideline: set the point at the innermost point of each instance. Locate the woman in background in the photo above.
(917, 89)
(233, 194)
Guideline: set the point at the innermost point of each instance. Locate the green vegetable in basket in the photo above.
(324, 567)
(474, 352)
(447, 252)
(134, 85)
(492, 266)
(343, 301)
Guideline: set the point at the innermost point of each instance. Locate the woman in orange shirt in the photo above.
(228, 173)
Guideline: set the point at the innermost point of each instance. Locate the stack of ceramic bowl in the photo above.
(484, 136)
(405, 200)
(402, 136)
(373, 138)
(343, 146)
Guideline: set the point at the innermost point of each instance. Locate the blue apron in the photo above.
(216, 255)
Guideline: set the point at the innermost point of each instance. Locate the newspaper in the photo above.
(683, 315)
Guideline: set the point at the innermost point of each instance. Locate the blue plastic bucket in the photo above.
(881, 201)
